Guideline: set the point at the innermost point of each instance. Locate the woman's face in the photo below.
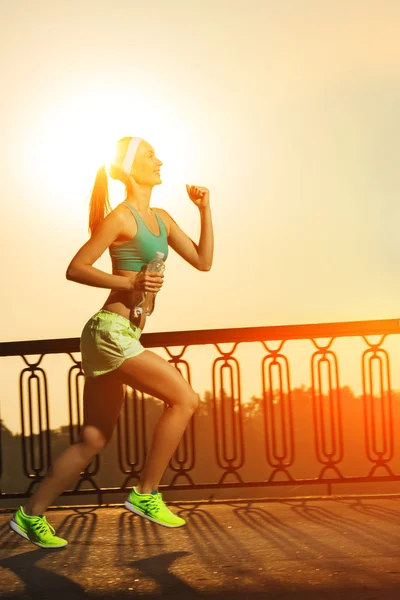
(146, 166)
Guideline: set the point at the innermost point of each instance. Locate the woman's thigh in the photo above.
(102, 401)
(153, 375)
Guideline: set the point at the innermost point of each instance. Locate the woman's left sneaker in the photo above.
(36, 529)
(152, 507)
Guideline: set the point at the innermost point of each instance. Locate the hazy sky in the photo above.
(287, 111)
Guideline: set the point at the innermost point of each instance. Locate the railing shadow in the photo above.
(217, 549)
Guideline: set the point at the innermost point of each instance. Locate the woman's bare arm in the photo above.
(81, 267)
(198, 255)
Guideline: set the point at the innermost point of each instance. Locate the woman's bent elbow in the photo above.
(70, 273)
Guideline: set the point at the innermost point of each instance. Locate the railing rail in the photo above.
(215, 336)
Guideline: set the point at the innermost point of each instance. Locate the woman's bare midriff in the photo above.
(123, 302)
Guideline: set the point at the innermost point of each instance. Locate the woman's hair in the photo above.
(99, 205)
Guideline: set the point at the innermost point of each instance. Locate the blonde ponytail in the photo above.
(99, 205)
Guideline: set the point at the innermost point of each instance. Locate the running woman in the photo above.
(112, 355)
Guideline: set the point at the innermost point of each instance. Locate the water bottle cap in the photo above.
(159, 254)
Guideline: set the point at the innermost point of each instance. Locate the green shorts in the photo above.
(106, 341)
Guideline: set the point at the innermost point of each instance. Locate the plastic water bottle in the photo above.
(147, 300)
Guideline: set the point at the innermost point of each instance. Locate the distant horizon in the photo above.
(156, 401)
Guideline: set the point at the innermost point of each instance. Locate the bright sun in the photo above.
(74, 138)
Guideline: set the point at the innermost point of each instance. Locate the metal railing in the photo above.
(286, 437)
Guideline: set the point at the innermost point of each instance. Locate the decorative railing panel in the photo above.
(285, 437)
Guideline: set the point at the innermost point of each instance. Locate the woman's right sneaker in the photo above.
(36, 529)
(152, 507)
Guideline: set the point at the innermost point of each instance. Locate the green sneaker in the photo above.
(36, 529)
(152, 507)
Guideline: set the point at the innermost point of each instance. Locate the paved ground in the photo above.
(299, 549)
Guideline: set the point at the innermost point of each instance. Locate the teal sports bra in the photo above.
(137, 252)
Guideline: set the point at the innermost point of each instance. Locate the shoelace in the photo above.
(155, 502)
(43, 526)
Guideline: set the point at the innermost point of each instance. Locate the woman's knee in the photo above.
(94, 439)
(189, 402)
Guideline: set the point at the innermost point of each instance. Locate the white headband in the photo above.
(130, 155)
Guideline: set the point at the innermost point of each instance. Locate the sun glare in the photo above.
(73, 139)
